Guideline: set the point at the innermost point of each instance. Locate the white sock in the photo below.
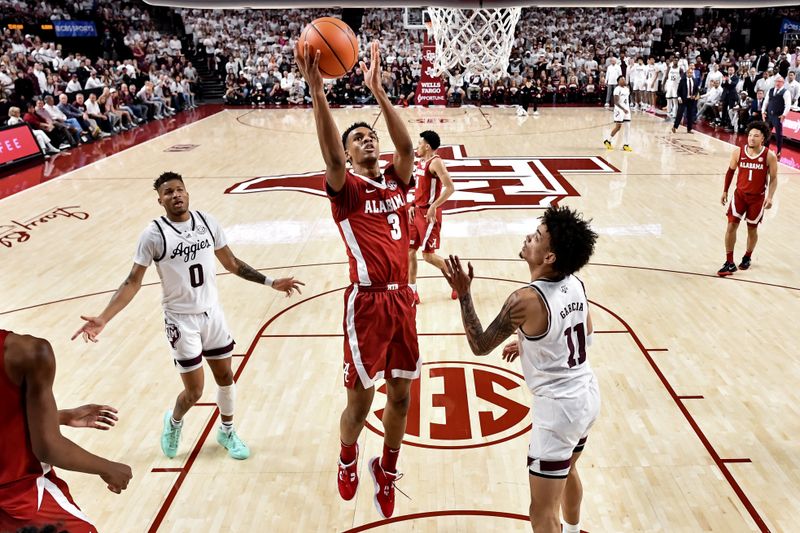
(413, 286)
(176, 423)
(570, 528)
(227, 427)
(626, 131)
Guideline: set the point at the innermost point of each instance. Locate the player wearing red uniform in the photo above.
(30, 492)
(369, 207)
(757, 177)
(433, 188)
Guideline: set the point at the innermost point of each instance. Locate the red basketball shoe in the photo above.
(348, 478)
(384, 487)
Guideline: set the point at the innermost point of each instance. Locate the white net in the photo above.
(478, 41)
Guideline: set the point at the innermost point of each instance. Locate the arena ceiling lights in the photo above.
(467, 4)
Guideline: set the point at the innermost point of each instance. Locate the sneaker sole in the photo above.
(377, 488)
(724, 274)
(742, 267)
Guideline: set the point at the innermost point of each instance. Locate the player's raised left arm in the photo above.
(772, 161)
(234, 265)
(403, 145)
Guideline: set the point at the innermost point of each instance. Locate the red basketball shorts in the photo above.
(380, 335)
(747, 207)
(57, 508)
(424, 235)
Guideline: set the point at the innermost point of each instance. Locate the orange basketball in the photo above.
(337, 43)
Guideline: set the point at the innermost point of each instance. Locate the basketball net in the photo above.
(477, 40)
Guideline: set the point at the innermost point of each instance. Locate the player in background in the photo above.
(651, 84)
(671, 88)
(756, 182)
(554, 329)
(433, 188)
(184, 244)
(637, 75)
(622, 115)
(380, 336)
(30, 492)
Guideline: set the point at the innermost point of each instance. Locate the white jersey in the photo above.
(185, 260)
(554, 363)
(652, 77)
(673, 76)
(623, 94)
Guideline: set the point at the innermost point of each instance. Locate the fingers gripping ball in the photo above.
(337, 43)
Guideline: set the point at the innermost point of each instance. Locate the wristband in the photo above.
(268, 281)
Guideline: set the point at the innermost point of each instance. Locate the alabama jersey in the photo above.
(428, 186)
(623, 93)
(554, 363)
(372, 217)
(185, 260)
(752, 177)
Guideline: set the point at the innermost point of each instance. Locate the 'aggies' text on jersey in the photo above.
(185, 260)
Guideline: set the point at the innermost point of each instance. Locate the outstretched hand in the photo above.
(459, 280)
(91, 329)
(288, 285)
(94, 416)
(307, 60)
(372, 75)
(511, 351)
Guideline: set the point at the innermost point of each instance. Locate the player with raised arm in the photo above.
(380, 337)
(185, 246)
(551, 318)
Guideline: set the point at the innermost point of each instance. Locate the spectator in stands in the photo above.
(750, 83)
(613, 72)
(710, 102)
(58, 137)
(42, 139)
(93, 82)
(793, 86)
(776, 107)
(127, 102)
(107, 122)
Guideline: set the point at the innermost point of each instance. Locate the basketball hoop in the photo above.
(477, 40)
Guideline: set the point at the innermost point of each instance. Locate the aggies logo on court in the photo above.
(535, 182)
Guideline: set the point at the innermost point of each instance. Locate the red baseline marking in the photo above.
(657, 349)
(742, 460)
(205, 404)
(691, 397)
(432, 514)
(167, 469)
(762, 526)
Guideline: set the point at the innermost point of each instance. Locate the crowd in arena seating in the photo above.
(138, 74)
(559, 56)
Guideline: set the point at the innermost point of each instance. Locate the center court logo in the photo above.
(535, 182)
(457, 405)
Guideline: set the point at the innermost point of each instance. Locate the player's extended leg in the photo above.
(173, 419)
(226, 402)
(614, 130)
(546, 496)
(384, 472)
(626, 134)
(729, 267)
(412, 272)
(752, 240)
(359, 401)
(572, 497)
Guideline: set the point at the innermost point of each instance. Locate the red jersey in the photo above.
(372, 217)
(19, 467)
(428, 187)
(753, 172)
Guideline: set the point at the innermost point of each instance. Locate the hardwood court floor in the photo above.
(699, 424)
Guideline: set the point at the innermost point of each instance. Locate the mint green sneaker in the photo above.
(170, 436)
(231, 442)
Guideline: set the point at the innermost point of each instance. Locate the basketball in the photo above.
(337, 43)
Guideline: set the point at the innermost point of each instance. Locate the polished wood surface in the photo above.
(699, 422)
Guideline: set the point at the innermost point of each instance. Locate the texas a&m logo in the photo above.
(481, 182)
(460, 404)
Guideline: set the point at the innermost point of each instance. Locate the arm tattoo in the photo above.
(247, 272)
(507, 321)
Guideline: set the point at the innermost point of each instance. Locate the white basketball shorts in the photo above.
(560, 428)
(192, 337)
(621, 116)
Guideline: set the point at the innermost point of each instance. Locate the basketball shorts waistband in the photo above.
(380, 288)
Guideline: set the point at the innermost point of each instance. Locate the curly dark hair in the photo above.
(571, 238)
(761, 126)
(352, 127)
(432, 138)
(165, 177)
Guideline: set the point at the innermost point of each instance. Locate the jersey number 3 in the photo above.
(196, 275)
(394, 222)
(578, 330)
